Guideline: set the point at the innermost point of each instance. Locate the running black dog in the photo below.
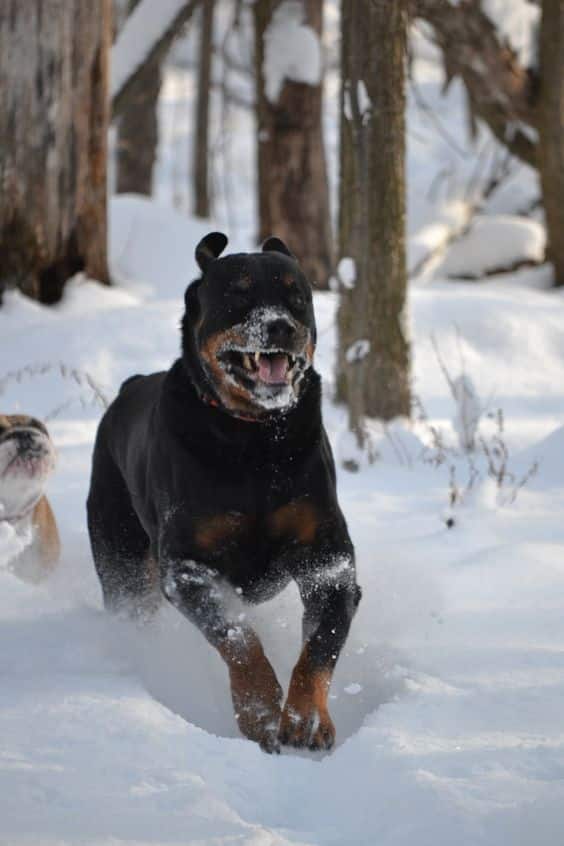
(216, 477)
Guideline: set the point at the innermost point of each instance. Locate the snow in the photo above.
(468, 411)
(11, 544)
(291, 50)
(494, 243)
(143, 28)
(517, 23)
(347, 272)
(358, 350)
(448, 696)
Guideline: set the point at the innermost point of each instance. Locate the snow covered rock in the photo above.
(494, 244)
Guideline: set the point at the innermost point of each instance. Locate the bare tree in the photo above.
(551, 125)
(138, 130)
(373, 363)
(159, 47)
(53, 128)
(292, 175)
(200, 168)
(522, 106)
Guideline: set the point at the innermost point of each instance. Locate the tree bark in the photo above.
(551, 126)
(138, 128)
(500, 91)
(373, 359)
(200, 168)
(156, 54)
(53, 129)
(293, 194)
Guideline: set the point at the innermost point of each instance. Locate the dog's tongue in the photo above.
(273, 368)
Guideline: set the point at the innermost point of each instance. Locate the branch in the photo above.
(130, 56)
(500, 91)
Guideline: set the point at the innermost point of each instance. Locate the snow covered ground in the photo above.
(448, 696)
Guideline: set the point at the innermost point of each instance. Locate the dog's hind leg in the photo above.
(120, 546)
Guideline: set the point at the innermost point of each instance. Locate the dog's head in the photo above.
(27, 457)
(249, 323)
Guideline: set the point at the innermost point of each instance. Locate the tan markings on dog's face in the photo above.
(297, 519)
(310, 350)
(9, 421)
(288, 280)
(252, 374)
(213, 534)
(233, 395)
(13, 421)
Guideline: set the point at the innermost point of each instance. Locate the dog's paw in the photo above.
(305, 721)
(259, 721)
(307, 727)
(257, 700)
(311, 729)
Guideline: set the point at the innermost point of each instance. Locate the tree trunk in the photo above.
(200, 161)
(501, 92)
(373, 362)
(293, 194)
(138, 129)
(551, 144)
(124, 71)
(53, 128)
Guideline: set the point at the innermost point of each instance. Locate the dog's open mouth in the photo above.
(274, 368)
(30, 465)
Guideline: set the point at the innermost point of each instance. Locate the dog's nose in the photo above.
(26, 439)
(280, 331)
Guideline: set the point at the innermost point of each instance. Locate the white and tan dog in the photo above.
(27, 457)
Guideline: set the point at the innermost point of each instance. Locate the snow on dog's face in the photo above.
(26, 459)
(251, 321)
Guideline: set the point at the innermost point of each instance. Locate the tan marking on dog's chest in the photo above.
(216, 532)
(298, 519)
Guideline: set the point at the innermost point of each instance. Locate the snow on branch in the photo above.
(147, 34)
(501, 90)
(291, 50)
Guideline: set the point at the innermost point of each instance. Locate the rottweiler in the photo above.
(216, 479)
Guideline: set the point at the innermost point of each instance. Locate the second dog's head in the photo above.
(249, 324)
(27, 457)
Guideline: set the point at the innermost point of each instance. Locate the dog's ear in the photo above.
(276, 245)
(210, 248)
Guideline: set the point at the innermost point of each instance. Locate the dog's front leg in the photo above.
(330, 596)
(197, 592)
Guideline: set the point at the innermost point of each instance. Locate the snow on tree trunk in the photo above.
(372, 213)
(53, 128)
(146, 38)
(138, 129)
(200, 169)
(552, 129)
(293, 190)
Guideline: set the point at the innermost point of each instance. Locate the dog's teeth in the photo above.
(257, 358)
(247, 362)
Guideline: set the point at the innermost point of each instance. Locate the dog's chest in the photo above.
(256, 550)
